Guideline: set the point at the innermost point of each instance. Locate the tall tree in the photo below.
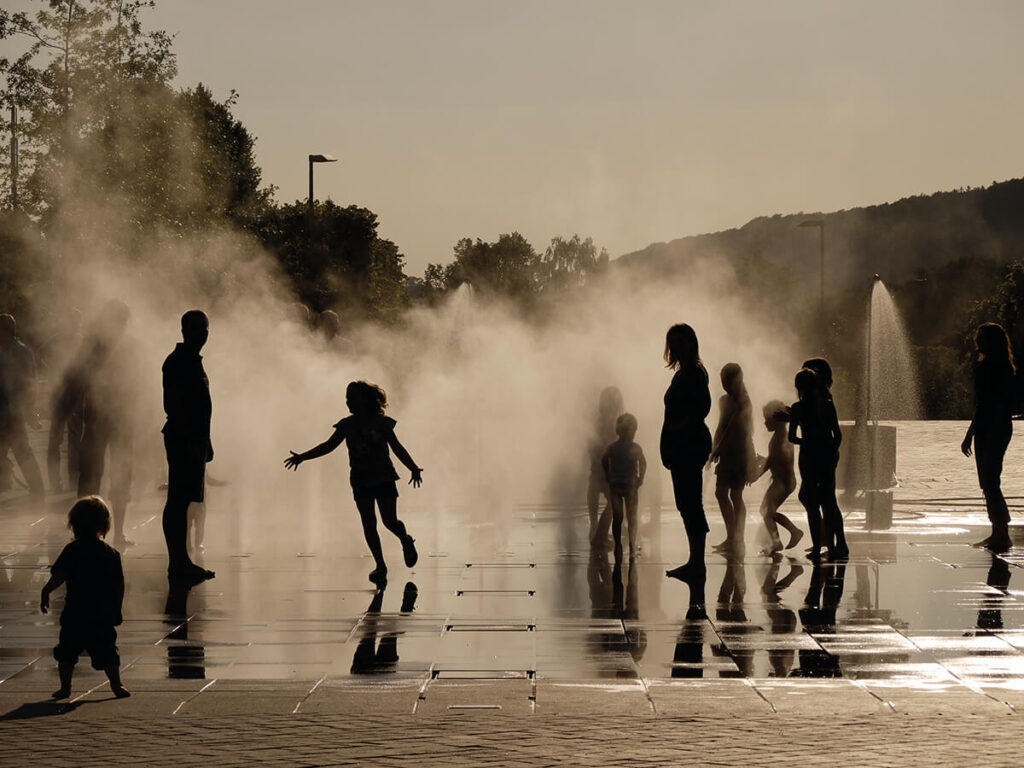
(85, 59)
(507, 267)
(335, 259)
(103, 124)
(571, 263)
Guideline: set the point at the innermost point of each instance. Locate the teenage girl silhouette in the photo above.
(991, 428)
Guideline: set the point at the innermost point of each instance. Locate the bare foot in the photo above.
(721, 546)
(121, 692)
(998, 544)
(61, 693)
(688, 573)
(794, 538)
(983, 544)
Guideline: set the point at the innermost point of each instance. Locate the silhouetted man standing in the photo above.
(188, 407)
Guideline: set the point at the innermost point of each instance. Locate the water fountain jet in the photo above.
(890, 392)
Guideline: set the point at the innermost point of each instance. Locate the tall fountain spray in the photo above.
(891, 385)
(890, 393)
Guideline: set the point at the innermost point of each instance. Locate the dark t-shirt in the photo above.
(993, 396)
(187, 400)
(95, 582)
(819, 428)
(684, 435)
(368, 454)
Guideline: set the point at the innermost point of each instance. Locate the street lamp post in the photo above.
(316, 159)
(820, 224)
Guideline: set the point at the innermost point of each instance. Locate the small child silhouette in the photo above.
(779, 464)
(624, 468)
(369, 434)
(95, 588)
(814, 417)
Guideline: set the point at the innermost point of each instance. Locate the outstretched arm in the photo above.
(328, 445)
(405, 458)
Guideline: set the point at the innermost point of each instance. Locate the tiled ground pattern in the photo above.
(909, 654)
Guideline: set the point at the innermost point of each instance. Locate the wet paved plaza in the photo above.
(516, 616)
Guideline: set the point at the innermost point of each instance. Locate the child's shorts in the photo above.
(100, 642)
(369, 493)
(624, 491)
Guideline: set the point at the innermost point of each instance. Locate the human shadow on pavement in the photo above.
(370, 657)
(48, 708)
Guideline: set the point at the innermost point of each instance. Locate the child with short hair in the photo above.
(91, 568)
(624, 468)
(814, 416)
(369, 434)
(779, 464)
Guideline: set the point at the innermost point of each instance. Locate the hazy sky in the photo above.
(627, 122)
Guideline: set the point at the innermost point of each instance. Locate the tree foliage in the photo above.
(571, 263)
(510, 268)
(115, 155)
(1004, 306)
(335, 259)
(87, 63)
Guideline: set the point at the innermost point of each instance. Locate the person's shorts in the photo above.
(99, 641)
(624, 491)
(370, 493)
(731, 475)
(186, 472)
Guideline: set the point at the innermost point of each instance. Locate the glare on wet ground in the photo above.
(516, 613)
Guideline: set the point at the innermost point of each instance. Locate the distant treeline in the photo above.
(951, 260)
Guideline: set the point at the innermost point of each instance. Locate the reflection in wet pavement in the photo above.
(916, 619)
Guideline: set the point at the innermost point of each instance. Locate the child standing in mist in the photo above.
(609, 409)
(624, 467)
(733, 451)
(814, 417)
(95, 581)
(369, 434)
(783, 479)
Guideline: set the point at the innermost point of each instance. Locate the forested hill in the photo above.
(895, 240)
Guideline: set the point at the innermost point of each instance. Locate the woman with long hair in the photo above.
(991, 427)
(686, 442)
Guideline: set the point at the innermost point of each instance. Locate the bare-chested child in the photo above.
(779, 464)
(624, 469)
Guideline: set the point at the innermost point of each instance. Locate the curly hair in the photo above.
(90, 516)
(366, 398)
